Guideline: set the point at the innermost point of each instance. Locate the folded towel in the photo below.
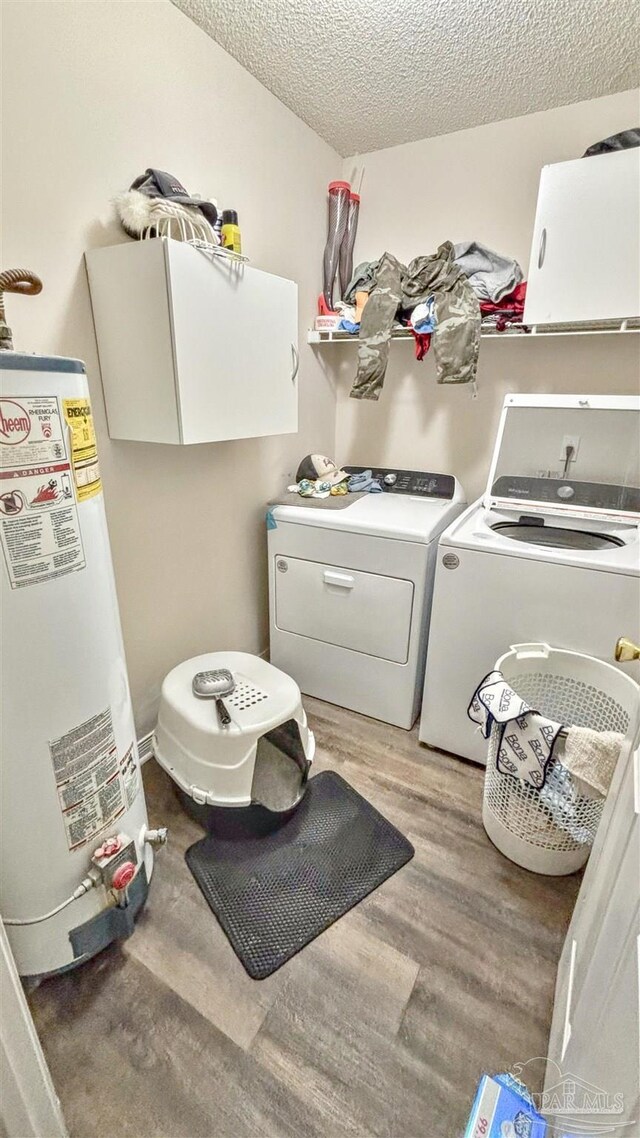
(592, 756)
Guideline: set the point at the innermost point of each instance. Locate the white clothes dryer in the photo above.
(350, 591)
(548, 555)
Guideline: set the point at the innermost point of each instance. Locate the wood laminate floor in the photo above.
(380, 1027)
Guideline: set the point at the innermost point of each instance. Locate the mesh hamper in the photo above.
(574, 690)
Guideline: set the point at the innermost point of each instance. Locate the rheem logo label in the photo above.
(15, 422)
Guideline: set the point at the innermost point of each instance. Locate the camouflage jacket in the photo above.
(394, 286)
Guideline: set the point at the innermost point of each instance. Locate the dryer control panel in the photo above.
(417, 483)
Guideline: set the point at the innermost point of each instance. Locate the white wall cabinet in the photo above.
(585, 254)
(193, 348)
(595, 1035)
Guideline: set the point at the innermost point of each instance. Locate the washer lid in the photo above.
(483, 531)
(568, 455)
(401, 517)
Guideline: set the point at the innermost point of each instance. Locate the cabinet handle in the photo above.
(340, 579)
(543, 248)
(296, 362)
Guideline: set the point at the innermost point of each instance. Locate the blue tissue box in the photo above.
(502, 1110)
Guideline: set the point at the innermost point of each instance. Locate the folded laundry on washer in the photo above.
(393, 285)
(308, 489)
(364, 480)
(490, 275)
(527, 739)
(592, 756)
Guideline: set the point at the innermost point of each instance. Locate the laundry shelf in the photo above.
(516, 331)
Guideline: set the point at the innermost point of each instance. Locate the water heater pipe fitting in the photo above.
(154, 838)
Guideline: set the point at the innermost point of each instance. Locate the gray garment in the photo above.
(363, 280)
(456, 338)
(490, 275)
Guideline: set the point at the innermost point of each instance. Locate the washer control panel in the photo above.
(586, 495)
(417, 483)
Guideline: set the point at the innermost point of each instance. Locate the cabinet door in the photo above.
(131, 314)
(584, 256)
(235, 334)
(595, 1037)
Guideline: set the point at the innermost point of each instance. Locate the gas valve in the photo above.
(117, 861)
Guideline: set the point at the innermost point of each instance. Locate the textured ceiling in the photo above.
(366, 74)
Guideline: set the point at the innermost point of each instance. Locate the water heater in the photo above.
(76, 855)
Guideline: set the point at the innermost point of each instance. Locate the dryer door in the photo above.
(366, 612)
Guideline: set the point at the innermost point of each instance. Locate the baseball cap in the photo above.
(316, 466)
(158, 184)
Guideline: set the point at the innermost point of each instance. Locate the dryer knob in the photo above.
(390, 479)
(565, 492)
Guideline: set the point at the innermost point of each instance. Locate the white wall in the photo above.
(93, 94)
(475, 184)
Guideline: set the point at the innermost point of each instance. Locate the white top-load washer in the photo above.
(350, 592)
(550, 553)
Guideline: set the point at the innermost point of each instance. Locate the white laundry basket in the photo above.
(574, 690)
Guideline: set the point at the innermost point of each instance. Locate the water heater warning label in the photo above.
(94, 786)
(84, 449)
(39, 527)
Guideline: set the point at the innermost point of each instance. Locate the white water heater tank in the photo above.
(73, 818)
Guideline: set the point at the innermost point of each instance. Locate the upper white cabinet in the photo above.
(585, 256)
(193, 348)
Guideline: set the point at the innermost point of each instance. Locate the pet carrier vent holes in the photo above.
(245, 695)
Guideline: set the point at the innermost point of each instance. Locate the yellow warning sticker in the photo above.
(84, 449)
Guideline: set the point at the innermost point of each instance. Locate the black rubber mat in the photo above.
(274, 893)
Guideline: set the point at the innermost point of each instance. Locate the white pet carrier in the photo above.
(574, 690)
(260, 758)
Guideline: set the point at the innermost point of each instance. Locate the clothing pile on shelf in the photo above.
(394, 288)
(444, 299)
(506, 312)
(320, 477)
(497, 282)
(561, 763)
